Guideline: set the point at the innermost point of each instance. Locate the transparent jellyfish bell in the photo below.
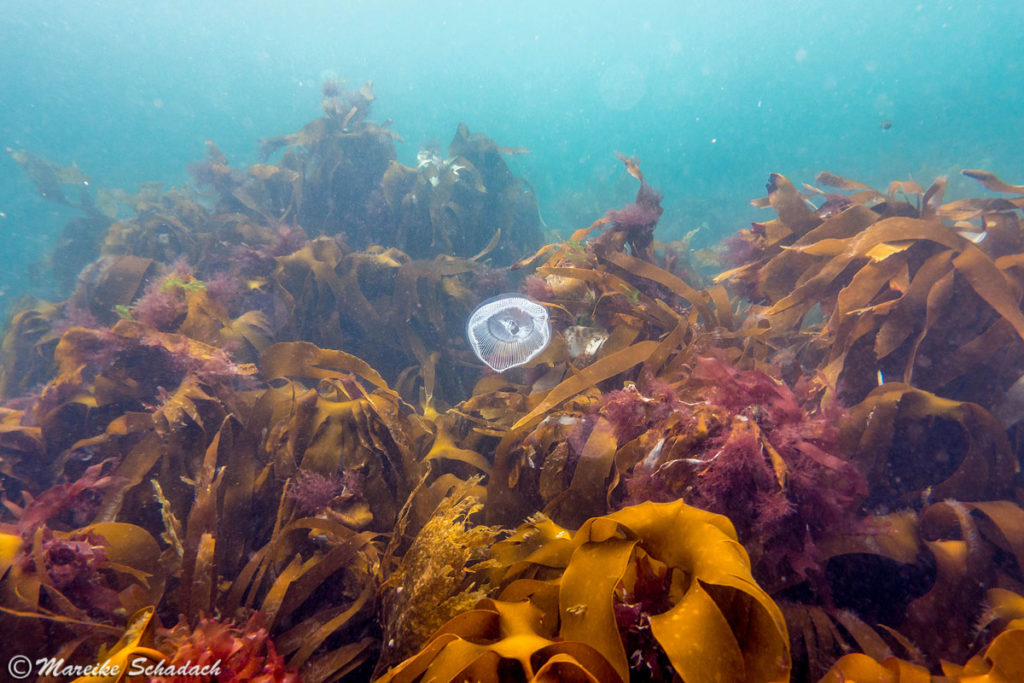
(508, 330)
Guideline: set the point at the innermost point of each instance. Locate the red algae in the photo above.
(239, 653)
(636, 221)
(537, 288)
(633, 413)
(78, 498)
(642, 214)
(74, 566)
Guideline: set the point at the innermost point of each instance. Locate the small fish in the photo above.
(508, 330)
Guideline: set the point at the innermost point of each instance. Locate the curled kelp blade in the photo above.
(508, 331)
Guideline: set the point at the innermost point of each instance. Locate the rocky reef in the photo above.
(254, 431)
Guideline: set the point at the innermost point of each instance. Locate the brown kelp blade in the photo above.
(606, 367)
(841, 183)
(992, 181)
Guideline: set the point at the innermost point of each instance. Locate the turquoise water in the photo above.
(710, 96)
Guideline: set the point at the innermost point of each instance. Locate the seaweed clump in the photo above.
(439, 575)
(240, 653)
(563, 597)
(636, 221)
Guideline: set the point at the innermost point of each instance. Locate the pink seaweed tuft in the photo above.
(160, 307)
(644, 212)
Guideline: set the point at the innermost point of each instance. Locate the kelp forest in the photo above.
(254, 433)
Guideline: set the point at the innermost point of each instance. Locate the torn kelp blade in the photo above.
(508, 331)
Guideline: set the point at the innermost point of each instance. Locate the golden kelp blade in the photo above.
(704, 543)
(131, 646)
(856, 667)
(720, 626)
(609, 366)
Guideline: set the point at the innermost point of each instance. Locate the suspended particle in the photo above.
(508, 331)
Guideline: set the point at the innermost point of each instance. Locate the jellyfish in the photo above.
(508, 330)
